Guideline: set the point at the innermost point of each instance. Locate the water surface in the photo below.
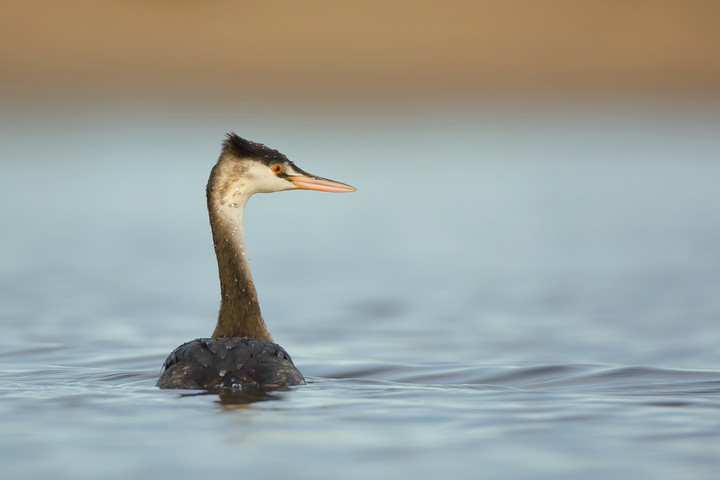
(516, 294)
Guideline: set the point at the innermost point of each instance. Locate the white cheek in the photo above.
(272, 184)
(262, 180)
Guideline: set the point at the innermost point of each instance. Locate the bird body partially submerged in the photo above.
(229, 363)
(241, 351)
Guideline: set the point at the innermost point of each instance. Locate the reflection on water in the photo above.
(500, 287)
(239, 398)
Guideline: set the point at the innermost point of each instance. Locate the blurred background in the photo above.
(527, 172)
(355, 53)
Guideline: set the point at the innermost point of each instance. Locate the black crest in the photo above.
(246, 149)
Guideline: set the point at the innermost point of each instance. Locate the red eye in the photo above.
(276, 168)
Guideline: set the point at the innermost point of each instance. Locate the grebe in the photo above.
(241, 351)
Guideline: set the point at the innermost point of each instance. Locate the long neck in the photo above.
(239, 314)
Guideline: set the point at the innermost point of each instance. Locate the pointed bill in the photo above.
(311, 182)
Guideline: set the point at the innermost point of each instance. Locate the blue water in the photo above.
(509, 293)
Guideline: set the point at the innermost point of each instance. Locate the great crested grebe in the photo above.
(241, 351)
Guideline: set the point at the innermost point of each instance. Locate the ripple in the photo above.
(634, 380)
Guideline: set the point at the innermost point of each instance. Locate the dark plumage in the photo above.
(242, 148)
(229, 363)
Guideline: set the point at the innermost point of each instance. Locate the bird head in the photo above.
(254, 168)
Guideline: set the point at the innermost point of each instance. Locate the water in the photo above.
(518, 294)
